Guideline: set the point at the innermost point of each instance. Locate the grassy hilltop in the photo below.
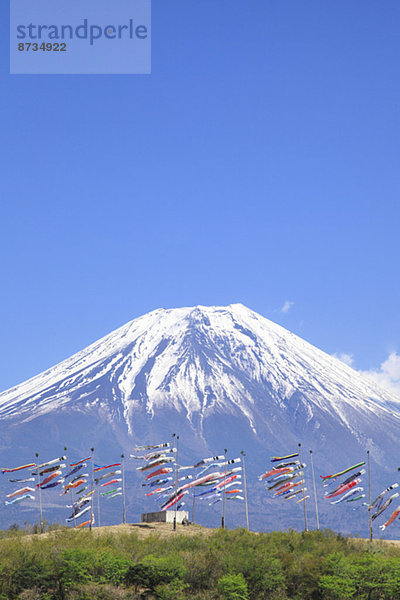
(128, 562)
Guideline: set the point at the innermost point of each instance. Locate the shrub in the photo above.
(233, 587)
(154, 571)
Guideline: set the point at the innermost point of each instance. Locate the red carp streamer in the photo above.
(344, 488)
(106, 467)
(28, 466)
(159, 472)
(392, 518)
(49, 478)
(110, 482)
(273, 472)
(80, 461)
(19, 492)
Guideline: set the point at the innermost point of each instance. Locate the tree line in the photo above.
(220, 565)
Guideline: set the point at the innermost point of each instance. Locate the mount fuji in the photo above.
(220, 377)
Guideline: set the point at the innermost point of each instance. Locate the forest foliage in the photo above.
(225, 565)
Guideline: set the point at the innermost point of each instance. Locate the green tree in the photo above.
(340, 581)
(154, 571)
(233, 587)
(335, 587)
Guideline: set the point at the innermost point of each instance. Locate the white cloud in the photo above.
(348, 359)
(388, 374)
(286, 307)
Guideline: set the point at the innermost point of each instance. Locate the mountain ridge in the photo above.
(196, 321)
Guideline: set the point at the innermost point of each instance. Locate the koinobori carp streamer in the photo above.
(284, 479)
(20, 498)
(174, 500)
(346, 481)
(49, 469)
(224, 482)
(49, 478)
(111, 491)
(156, 463)
(20, 491)
(75, 464)
(384, 506)
(294, 494)
(161, 471)
(81, 476)
(75, 470)
(97, 469)
(391, 519)
(279, 458)
(111, 482)
(53, 484)
(340, 473)
(152, 447)
(302, 499)
(158, 453)
(74, 485)
(287, 487)
(350, 494)
(343, 489)
(13, 470)
(107, 475)
(60, 459)
(114, 495)
(78, 515)
(210, 459)
(273, 472)
(81, 525)
(379, 499)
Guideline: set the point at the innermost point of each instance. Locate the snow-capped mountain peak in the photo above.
(199, 360)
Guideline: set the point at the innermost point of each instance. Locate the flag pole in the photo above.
(176, 475)
(123, 490)
(369, 498)
(70, 489)
(40, 493)
(223, 497)
(304, 493)
(91, 490)
(245, 489)
(315, 491)
(98, 506)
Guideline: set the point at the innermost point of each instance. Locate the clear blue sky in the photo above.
(258, 163)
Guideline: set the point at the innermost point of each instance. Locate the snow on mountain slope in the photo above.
(200, 361)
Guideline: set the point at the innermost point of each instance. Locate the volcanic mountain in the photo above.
(220, 377)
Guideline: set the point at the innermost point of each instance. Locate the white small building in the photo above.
(165, 516)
